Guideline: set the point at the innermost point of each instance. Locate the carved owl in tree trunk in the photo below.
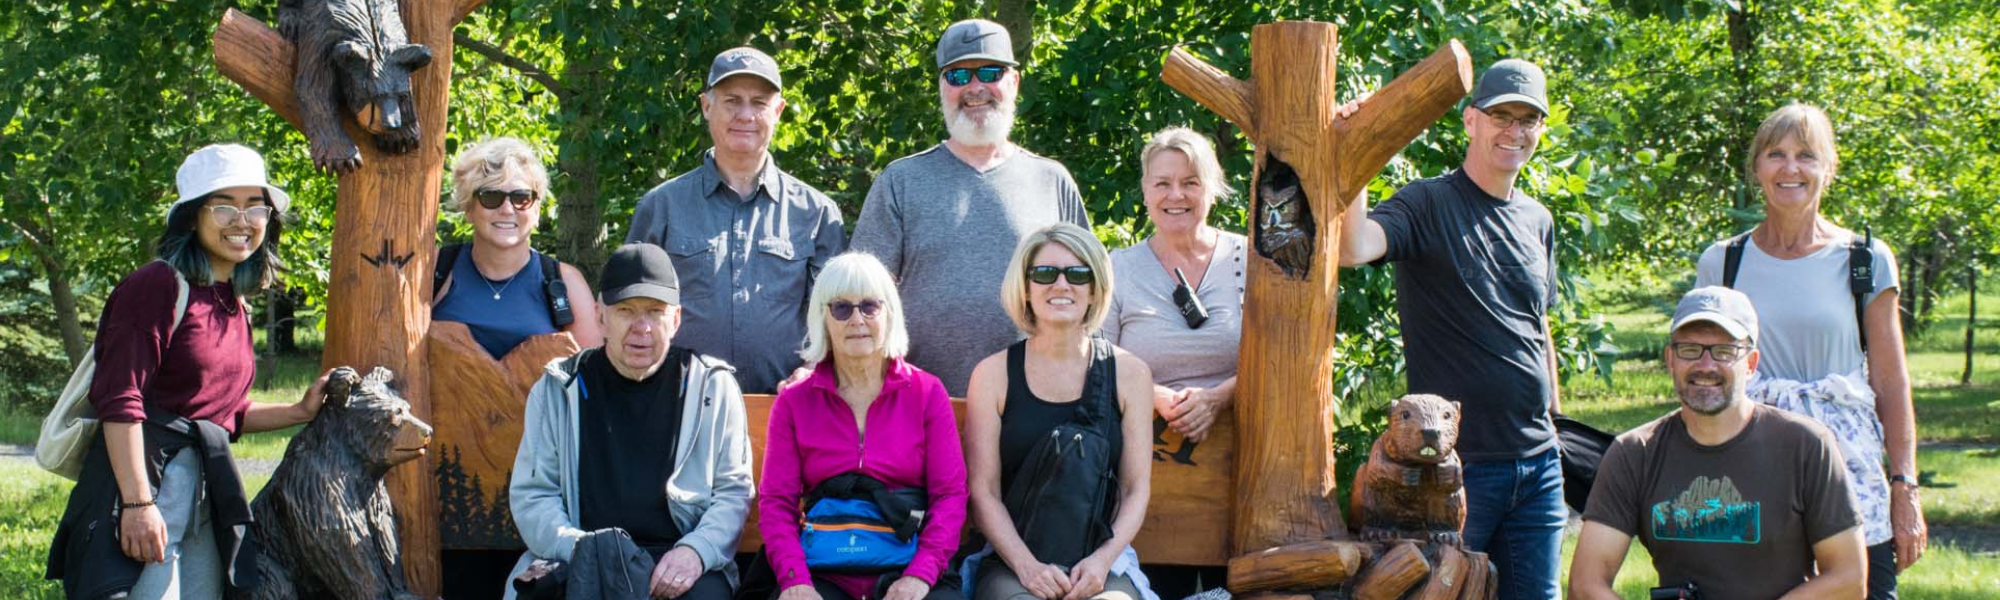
(354, 61)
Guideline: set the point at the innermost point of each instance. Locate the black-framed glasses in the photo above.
(225, 214)
(960, 76)
(522, 199)
(1722, 353)
(842, 310)
(1047, 274)
(1527, 123)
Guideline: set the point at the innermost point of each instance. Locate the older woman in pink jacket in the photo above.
(863, 410)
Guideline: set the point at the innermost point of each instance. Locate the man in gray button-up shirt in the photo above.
(746, 238)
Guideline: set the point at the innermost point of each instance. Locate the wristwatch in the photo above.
(1903, 479)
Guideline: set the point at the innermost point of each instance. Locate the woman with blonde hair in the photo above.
(1832, 345)
(498, 285)
(1061, 381)
(1179, 304)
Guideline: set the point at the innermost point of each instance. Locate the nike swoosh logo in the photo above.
(969, 37)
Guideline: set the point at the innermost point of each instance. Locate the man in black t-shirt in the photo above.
(1737, 499)
(1475, 277)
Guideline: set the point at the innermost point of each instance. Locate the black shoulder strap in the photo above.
(447, 256)
(555, 292)
(1100, 405)
(1732, 258)
(1861, 278)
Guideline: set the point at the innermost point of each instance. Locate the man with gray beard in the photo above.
(946, 220)
(1732, 498)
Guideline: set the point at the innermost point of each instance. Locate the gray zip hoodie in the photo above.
(709, 494)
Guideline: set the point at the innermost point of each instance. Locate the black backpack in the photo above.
(553, 288)
(1063, 496)
(1860, 272)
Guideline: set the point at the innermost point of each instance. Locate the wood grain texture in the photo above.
(1447, 579)
(1308, 566)
(1186, 524)
(1395, 572)
(384, 242)
(1285, 368)
(1481, 581)
(478, 403)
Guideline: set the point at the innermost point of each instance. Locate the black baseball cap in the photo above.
(1512, 80)
(639, 271)
(743, 60)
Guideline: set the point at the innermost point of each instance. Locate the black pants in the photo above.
(829, 591)
(1882, 571)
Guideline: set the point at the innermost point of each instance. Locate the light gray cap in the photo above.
(1727, 308)
(743, 61)
(975, 39)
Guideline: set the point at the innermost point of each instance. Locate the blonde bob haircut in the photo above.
(1803, 122)
(855, 275)
(1014, 287)
(1198, 150)
(489, 162)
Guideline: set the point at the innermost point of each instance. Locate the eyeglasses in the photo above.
(1722, 353)
(225, 214)
(1046, 274)
(959, 77)
(522, 199)
(1528, 123)
(843, 310)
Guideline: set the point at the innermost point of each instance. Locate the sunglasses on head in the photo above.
(843, 310)
(960, 76)
(1046, 274)
(522, 199)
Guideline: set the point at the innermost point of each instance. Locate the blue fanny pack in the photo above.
(850, 535)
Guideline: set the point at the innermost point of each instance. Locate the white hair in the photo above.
(855, 275)
(973, 133)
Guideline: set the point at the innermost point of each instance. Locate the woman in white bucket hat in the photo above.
(174, 364)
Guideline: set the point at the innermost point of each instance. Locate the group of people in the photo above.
(972, 273)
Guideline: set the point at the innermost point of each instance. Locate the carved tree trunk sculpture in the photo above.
(383, 241)
(1309, 166)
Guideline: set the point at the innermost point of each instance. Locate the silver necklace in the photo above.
(503, 285)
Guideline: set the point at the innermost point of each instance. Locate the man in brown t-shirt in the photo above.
(1738, 499)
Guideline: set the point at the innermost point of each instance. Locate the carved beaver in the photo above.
(1412, 486)
(323, 523)
(360, 47)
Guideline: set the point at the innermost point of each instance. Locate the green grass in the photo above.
(1961, 486)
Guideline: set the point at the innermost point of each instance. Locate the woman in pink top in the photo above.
(863, 410)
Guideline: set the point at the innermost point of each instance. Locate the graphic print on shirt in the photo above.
(1709, 510)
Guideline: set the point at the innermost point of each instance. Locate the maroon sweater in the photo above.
(201, 371)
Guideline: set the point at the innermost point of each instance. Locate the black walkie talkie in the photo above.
(1190, 306)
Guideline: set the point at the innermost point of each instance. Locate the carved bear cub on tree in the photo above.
(360, 48)
(323, 523)
(1412, 486)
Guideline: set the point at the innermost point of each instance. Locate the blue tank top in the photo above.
(520, 311)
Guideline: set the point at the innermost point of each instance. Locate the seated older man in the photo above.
(637, 436)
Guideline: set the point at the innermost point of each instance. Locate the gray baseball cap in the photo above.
(743, 61)
(1727, 308)
(975, 39)
(1512, 80)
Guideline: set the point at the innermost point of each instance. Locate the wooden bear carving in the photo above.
(1413, 486)
(354, 59)
(323, 524)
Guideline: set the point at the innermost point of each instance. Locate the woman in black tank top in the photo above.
(1056, 291)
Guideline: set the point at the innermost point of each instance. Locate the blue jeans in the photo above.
(1514, 512)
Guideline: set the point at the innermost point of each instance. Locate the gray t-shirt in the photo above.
(746, 265)
(1805, 312)
(947, 232)
(1145, 321)
(1475, 276)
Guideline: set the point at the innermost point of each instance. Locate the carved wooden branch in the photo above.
(1392, 574)
(1395, 114)
(1307, 566)
(1227, 96)
(254, 56)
